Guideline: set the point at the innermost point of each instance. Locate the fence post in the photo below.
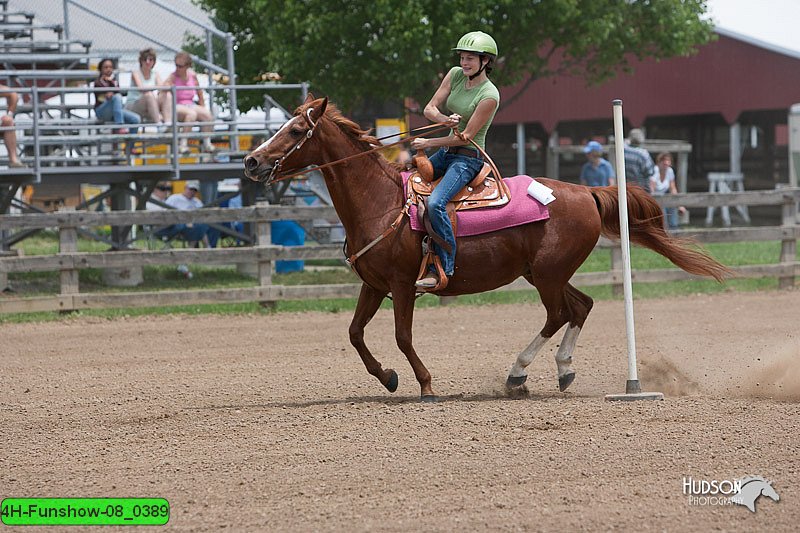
(616, 272)
(68, 243)
(264, 240)
(789, 242)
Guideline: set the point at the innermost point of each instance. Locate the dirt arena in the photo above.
(272, 424)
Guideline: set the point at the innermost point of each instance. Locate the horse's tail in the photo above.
(646, 222)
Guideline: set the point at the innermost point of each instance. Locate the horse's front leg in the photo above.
(369, 300)
(403, 300)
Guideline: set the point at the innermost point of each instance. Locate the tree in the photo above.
(377, 50)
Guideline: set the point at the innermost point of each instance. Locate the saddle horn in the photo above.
(424, 166)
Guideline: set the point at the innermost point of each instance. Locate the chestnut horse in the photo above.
(367, 193)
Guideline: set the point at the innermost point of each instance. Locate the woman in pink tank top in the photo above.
(185, 107)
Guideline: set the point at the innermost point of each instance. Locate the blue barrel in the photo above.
(288, 233)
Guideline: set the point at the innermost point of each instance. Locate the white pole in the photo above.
(632, 386)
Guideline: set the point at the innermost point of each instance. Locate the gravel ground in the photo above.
(272, 424)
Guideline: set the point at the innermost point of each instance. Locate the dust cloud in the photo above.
(661, 374)
(780, 379)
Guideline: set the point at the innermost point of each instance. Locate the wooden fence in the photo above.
(69, 261)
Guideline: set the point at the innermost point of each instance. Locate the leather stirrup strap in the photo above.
(443, 280)
(438, 239)
(432, 259)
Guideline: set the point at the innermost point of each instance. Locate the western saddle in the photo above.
(487, 189)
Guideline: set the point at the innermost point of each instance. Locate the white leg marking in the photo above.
(564, 354)
(526, 356)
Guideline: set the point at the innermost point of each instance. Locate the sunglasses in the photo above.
(162, 188)
(179, 65)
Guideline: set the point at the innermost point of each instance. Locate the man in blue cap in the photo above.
(596, 172)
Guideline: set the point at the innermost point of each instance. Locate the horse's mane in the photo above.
(347, 126)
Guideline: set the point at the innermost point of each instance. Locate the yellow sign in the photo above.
(391, 126)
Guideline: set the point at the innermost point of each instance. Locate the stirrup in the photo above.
(427, 282)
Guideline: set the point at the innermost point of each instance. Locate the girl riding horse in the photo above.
(473, 99)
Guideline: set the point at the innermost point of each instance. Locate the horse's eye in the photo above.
(296, 133)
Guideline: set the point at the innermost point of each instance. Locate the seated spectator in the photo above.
(160, 193)
(148, 103)
(108, 105)
(185, 107)
(597, 171)
(10, 136)
(193, 233)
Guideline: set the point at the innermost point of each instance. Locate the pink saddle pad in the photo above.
(522, 209)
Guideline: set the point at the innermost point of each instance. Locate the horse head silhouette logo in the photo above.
(752, 488)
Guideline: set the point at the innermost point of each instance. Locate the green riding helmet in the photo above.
(477, 41)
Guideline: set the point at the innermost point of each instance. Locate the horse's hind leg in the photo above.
(564, 305)
(577, 305)
(369, 300)
(517, 376)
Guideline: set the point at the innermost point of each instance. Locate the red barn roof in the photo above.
(728, 76)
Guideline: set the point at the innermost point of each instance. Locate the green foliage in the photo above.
(385, 50)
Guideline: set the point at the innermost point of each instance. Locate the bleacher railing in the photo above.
(52, 136)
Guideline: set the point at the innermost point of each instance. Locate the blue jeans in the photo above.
(195, 233)
(671, 215)
(457, 170)
(112, 110)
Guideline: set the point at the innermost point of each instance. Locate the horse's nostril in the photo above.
(250, 163)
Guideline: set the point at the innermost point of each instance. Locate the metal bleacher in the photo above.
(64, 145)
(58, 136)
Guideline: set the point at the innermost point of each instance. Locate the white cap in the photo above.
(193, 184)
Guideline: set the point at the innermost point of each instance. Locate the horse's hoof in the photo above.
(391, 385)
(565, 381)
(429, 398)
(515, 381)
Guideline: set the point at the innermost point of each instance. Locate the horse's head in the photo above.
(291, 148)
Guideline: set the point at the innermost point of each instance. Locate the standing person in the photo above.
(472, 100)
(7, 121)
(597, 171)
(663, 182)
(638, 163)
(185, 107)
(147, 103)
(108, 105)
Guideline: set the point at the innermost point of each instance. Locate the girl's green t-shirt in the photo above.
(464, 101)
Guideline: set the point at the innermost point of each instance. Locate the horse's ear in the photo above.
(309, 98)
(318, 108)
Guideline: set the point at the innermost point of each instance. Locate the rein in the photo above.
(275, 169)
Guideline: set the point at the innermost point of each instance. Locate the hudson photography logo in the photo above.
(744, 491)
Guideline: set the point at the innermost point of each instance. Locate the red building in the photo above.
(730, 101)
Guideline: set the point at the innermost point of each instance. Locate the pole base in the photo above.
(634, 396)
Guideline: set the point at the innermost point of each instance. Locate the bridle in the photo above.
(279, 162)
(276, 168)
